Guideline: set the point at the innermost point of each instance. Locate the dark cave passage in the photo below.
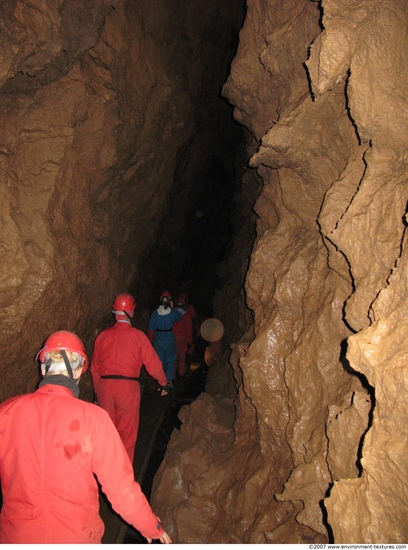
(252, 154)
(196, 232)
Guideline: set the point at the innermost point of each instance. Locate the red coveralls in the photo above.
(193, 315)
(183, 331)
(51, 446)
(122, 350)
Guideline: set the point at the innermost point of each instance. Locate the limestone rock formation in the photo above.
(116, 127)
(316, 451)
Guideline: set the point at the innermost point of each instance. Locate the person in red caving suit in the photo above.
(183, 331)
(52, 446)
(119, 353)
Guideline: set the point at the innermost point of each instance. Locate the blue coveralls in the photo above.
(164, 342)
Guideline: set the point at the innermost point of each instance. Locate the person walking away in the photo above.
(183, 331)
(119, 353)
(52, 446)
(160, 333)
(191, 312)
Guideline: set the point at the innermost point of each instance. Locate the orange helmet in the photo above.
(123, 303)
(64, 340)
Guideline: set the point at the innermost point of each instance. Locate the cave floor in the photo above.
(158, 418)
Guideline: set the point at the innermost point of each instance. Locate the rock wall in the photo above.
(107, 112)
(306, 441)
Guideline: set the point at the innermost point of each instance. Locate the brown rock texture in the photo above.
(317, 448)
(111, 127)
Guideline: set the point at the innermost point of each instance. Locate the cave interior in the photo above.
(252, 154)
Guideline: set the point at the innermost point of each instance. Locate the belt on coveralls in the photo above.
(119, 377)
(160, 330)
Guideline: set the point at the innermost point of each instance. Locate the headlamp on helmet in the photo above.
(165, 299)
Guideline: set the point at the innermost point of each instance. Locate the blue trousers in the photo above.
(166, 348)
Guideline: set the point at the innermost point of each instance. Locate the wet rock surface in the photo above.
(318, 369)
(115, 122)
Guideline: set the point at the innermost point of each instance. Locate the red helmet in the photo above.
(183, 297)
(165, 294)
(181, 301)
(64, 340)
(124, 302)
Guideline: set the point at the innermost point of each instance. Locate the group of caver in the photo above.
(171, 333)
(55, 449)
